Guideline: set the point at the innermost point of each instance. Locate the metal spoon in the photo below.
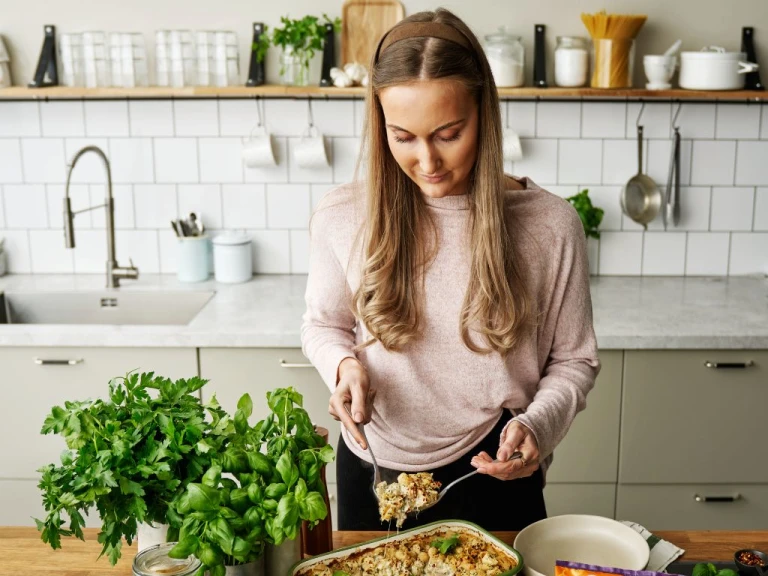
(376, 471)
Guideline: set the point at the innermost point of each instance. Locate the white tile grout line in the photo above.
(730, 251)
(735, 162)
(754, 208)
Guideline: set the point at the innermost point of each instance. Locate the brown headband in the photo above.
(422, 29)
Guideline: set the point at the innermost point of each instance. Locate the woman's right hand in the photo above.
(354, 390)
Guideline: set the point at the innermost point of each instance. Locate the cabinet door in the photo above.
(234, 371)
(596, 499)
(31, 386)
(590, 451)
(694, 507)
(684, 421)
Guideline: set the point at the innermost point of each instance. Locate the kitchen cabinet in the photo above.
(573, 498)
(35, 380)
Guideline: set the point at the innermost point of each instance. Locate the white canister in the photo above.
(714, 69)
(571, 62)
(506, 58)
(232, 260)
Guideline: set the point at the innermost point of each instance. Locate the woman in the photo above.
(447, 303)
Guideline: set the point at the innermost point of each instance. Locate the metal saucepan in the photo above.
(641, 197)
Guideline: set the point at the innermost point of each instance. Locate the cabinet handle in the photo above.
(733, 498)
(727, 365)
(48, 362)
(284, 364)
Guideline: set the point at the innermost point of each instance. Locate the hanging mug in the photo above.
(258, 150)
(310, 151)
(513, 150)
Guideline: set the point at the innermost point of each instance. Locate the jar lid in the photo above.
(231, 239)
(571, 39)
(154, 561)
(502, 35)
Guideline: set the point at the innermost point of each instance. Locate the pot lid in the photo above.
(713, 53)
(154, 561)
(231, 239)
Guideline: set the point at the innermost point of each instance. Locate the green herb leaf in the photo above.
(276, 491)
(185, 547)
(703, 569)
(289, 472)
(313, 507)
(202, 498)
(209, 555)
(287, 511)
(212, 476)
(445, 545)
(221, 533)
(259, 463)
(239, 499)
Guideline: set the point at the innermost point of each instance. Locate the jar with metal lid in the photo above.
(571, 61)
(154, 561)
(506, 56)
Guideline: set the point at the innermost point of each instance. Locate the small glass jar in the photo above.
(506, 56)
(571, 61)
(154, 561)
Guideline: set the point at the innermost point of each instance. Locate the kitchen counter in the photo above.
(22, 552)
(629, 313)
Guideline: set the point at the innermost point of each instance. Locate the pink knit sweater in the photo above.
(437, 399)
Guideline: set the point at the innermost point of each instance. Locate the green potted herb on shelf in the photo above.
(128, 456)
(299, 40)
(590, 215)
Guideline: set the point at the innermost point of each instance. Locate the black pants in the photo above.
(488, 502)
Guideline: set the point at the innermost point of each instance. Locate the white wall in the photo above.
(697, 22)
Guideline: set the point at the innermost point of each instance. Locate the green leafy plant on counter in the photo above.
(708, 569)
(258, 490)
(302, 37)
(590, 215)
(128, 456)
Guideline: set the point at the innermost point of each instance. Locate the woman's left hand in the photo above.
(517, 437)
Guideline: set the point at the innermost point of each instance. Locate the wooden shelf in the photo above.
(277, 91)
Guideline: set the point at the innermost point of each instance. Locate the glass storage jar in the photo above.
(571, 61)
(506, 56)
(154, 561)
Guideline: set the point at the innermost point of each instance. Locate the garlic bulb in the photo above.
(365, 80)
(342, 80)
(335, 72)
(355, 71)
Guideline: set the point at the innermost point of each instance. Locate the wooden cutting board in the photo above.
(363, 22)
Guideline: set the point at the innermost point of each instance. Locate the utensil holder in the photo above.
(193, 257)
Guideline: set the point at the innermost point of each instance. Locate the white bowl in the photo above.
(659, 70)
(580, 538)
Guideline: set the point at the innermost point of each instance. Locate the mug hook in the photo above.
(640, 115)
(309, 110)
(675, 125)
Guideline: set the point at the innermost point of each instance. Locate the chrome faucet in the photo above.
(114, 272)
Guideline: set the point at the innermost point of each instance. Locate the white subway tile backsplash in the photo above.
(694, 208)
(90, 167)
(539, 160)
(318, 191)
(737, 122)
(106, 118)
(593, 254)
(562, 191)
(221, 160)
(43, 160)
(10, 161)
(168, 251)
(19, 119)
(752, 163)
(62, 118)
(155, 205)
(49, 253)
(79, 199)
(620, 160)
(16, 248)
(176, 160)
(299, 251)
(244, 206)
(334, 117)
(607, 198)
(558, 119)
(521, 117)
(196, 117)
(271, 251)
(26, 206)
(696, 120)
(629, 225)
(151, 117)
(288, 206)
(298, 174)
(141, 246)
(659, 158)
(621, 253)
(763, 122)
(345, 153)
(133, 160)
(749, 253)
(713, 162)
(707, 254)
(273, 174)
(603, 120)
(122, 195)
(90, 253)
(286, 117)
(359, 108)
(664, 254)
(2, 210)
(580, 161)
(238, 117)
(761, 210)
(732, 209)
(656, 120)
(202, 199)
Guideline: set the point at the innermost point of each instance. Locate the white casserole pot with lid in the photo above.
(713, 68)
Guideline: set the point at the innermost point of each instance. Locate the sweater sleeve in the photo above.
(572, 364)
(327, 330)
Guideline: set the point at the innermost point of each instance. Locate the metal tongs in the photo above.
(671, 209)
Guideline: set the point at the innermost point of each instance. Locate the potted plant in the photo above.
(257, 491)
(590, 215)
(299, 39)
(128, 456)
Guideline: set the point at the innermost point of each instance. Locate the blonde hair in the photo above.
(400, 238)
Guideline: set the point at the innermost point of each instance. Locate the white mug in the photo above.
(258, 150)
(310, 151)
(513, 150)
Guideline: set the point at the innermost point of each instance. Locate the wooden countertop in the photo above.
(22, 552)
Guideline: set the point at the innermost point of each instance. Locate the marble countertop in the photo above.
(629, 313)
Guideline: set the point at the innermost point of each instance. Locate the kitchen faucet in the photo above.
(114, 271)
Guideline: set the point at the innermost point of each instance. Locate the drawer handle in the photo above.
(284, 364)
(49, 362)
(727, 365)
(733, 498)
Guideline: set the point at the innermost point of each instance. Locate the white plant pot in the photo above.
(150, 535)
(250, 569)
(280, 559)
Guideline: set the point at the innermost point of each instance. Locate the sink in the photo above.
(102, 307)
